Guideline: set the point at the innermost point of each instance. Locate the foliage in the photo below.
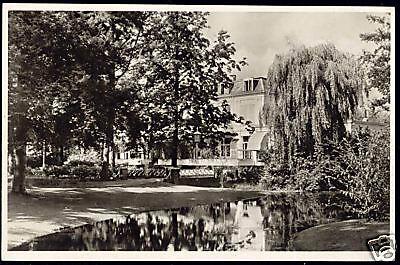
(57, 171)
(75, 163)
(311, 94)
(358, 168)
(88, 157)
(366, 179)
(251, 174)
(37, 161)
(82, 172)
(80, 77)
(378, 61)
(276, 175)
(85, 171)
(179, 72)
(34, 161)
(62, 69)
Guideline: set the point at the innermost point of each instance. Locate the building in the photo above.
(245, 98)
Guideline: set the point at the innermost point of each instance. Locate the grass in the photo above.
(351, 235)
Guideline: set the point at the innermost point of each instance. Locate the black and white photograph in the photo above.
(199, 132)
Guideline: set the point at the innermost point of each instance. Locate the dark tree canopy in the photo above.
(311, 94)
(179, 72)
(79, 78)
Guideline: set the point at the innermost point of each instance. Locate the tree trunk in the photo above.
(112, 155)
(107, 153)
(175, 136)
(102, 151)
(11, 151)
(111, 133)
(61, 154)
(18, 185)
(13, 162)
(44, 155)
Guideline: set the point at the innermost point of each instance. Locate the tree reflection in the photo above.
(268, 223)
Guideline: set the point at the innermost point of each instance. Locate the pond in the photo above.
(267, 223)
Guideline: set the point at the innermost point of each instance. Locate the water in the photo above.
(263, 224)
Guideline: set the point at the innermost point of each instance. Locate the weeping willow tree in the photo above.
(311, 94)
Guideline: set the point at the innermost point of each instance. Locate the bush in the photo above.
(57, 171)
(276, 175)
(85, 171)
(358, 168)
(34, 162)
(365, 176)
(68, 171)
(88, 157)
(75, 163)
(251, 174)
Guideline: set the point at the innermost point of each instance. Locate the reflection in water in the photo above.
(267, 223)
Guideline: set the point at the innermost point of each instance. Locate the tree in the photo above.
(50, 53)
(378, 61)
(311, 94)
(181, 72)
(110, 43)
(38, 49)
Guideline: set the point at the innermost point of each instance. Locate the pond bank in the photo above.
(46, 210)
(351, 235)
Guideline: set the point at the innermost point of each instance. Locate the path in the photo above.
(46, 210)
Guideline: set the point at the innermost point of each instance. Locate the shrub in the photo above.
(75, 163)
(34, 162)
(358, 168)
(68, 171)
(85, 171)
(365, 178)
(251, 174)
(36, 172)
(57, 171)
(88, 157)
(276, 175)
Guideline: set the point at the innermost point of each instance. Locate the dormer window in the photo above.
(247, 85)
(250, 85)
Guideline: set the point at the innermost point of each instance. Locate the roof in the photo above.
(257, 140)
(238, 87)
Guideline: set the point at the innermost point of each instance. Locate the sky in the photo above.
(260, 36)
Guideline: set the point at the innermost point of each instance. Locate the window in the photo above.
(247, 85)
(118, 155)
(246, 153)
(250, 85)
(226, 147)
(255, 83)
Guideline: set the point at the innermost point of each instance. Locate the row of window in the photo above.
(127, 155)
(225, 149)
(248, 85)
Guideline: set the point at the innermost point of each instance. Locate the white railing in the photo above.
(211, 162)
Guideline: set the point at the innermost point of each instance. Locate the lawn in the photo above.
(351, 235)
